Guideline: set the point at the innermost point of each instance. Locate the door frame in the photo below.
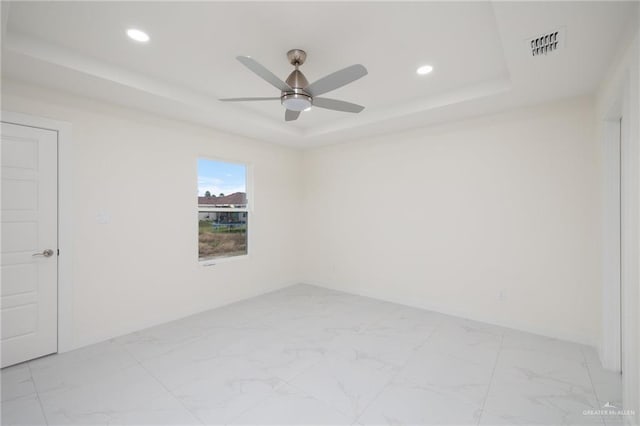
(65, 218)
(620, 97)
(610, 347)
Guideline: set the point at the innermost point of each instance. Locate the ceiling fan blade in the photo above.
(290, 115)
(264, 73)
(336, 105)
(336, 80)
(248, 99)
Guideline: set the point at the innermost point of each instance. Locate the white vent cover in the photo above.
(546, 43)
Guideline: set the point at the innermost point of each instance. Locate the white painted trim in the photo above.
(630, 240)
(218, 260)
(611, 331)
(223, 209)
(621, 98)
(219, 115)
(65, 219)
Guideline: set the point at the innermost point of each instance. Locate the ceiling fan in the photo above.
(296, 94)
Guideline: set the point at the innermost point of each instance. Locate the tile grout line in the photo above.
(232, 418)
(205, 335)
(495, 366)
(287, 382)
(15, 398)
(206, 332)
(394, 376)
(282, 382)
(325, 403)
(593, 387)
(44, 414)
(374, 321)
(162, 385)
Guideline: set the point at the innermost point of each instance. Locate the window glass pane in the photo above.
(222, 234)
(222, 184)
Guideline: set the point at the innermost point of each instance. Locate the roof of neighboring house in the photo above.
(235, 198)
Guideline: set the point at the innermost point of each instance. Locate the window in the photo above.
(222, 209)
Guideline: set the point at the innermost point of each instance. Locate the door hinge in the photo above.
(58, 252)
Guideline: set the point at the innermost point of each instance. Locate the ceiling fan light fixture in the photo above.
(424, 70)
(296, 101)
(138, 35)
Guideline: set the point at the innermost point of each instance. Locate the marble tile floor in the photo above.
(306, 355)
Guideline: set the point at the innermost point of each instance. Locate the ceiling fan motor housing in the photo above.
(297, 80)
(298, 99)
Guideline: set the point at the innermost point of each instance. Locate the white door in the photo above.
(29, 291)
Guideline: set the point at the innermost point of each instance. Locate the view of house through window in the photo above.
(222, 209)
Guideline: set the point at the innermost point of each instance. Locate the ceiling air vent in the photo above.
(546, 43)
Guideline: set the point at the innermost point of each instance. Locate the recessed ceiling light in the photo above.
(424, 70)
(138, 35)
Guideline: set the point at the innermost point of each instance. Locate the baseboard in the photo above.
(103, 338)
(527, 328)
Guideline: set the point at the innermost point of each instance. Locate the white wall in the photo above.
(451, 217)
(447, 218)
(142, 268)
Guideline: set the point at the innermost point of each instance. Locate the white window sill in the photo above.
(214, 262)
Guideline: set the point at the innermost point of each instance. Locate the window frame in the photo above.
(248, 209)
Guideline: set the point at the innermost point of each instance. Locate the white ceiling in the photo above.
(478, 50)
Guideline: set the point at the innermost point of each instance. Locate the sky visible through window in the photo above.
(221, 177)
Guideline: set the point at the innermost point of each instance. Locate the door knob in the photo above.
(45, 253)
